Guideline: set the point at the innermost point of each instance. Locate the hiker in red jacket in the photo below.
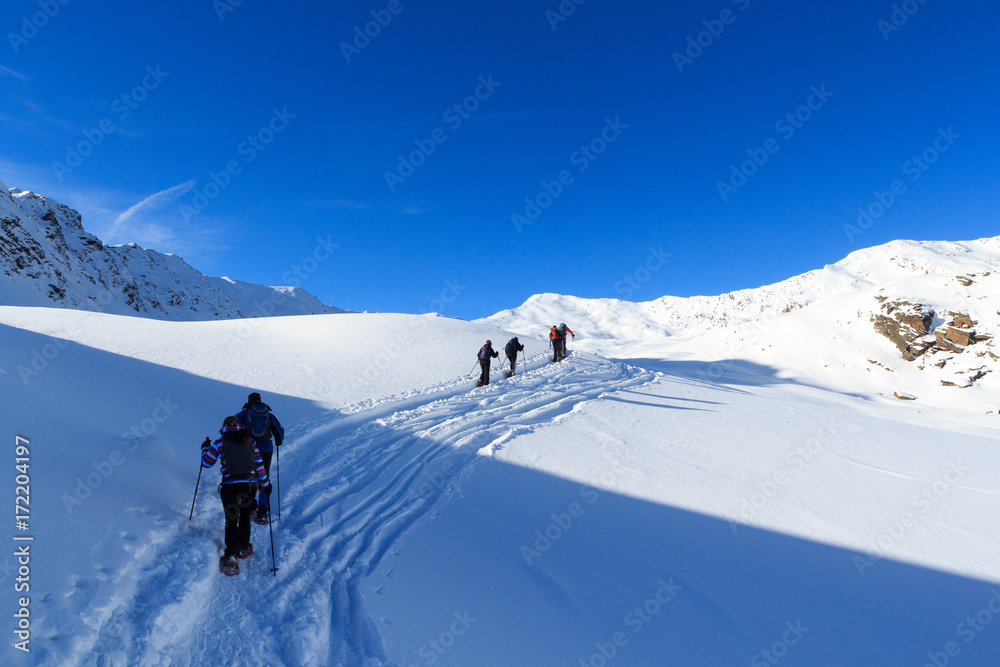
(554, 340)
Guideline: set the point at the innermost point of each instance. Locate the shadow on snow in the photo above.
(741, 591)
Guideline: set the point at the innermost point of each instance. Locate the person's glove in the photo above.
(205, 445)
(267, 489)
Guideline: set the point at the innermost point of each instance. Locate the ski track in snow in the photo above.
(353, 485)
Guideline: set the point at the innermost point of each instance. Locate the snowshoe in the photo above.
(229, 566)
(245, 553)
(509, 374)
(479, 384)
(260, 517)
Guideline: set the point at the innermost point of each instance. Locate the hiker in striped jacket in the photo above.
(242, 467)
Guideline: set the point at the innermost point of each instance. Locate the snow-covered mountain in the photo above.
(882, 266)
(748, 491)
(850, 324)
(47, 259)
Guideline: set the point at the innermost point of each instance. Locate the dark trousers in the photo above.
(513, 362)
(558, 350)
(237, 501)
(484, 377)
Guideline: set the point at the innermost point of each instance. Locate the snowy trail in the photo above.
(352, 487)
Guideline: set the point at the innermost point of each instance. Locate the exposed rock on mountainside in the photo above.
(908, 324)
(48, 259)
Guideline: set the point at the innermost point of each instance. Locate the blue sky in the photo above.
(627, 149)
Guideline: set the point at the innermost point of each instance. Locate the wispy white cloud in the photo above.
(152, 203)
(152, 223)
(9, 72)
(417, 209)
(132, 134)
(338, 203)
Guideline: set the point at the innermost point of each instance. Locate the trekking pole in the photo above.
(197, 484)
(277, 470)
(274, 568)
(474, 368)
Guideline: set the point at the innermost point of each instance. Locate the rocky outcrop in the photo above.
(906, 324)
(961, 320)
(957, 334)
(963, 337)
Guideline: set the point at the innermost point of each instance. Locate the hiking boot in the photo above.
(245, 552)
(229, 566)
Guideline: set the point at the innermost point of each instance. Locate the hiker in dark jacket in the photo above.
(485, 354)
(563, 330)
(512, 348)
(242, 467)
(257, 418)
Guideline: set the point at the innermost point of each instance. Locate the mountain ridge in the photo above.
(684, 316)
(48, 259)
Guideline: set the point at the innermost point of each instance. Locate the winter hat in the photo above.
(253, 398)
(489, 342)
(230, 424)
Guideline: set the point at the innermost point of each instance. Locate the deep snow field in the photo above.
(748, 493)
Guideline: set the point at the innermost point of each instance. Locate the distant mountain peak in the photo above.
(48, 259)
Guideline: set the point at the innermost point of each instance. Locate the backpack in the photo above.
(484, 353)
(562, 330)
(511, 348)
(239, 455)
(259, 421)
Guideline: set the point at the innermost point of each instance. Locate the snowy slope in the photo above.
(116, 408)
(329, 360)
(816, 327)
(697, 500)
(880, 266)
(47, 259)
